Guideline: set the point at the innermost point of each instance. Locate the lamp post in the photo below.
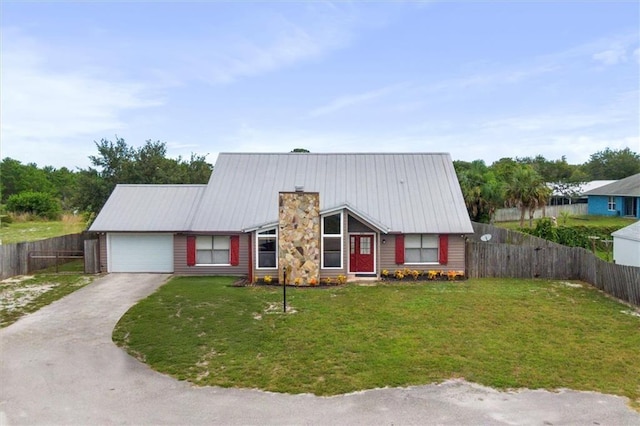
(284, 290)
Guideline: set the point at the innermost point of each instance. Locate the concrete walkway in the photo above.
(59, 366)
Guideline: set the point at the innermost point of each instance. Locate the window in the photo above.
(212, 250)
(332, 241)
(267, 249)
(421, 248)
(612, 203)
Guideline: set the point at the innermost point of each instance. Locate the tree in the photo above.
(527, 191)
(481, 190)
(612, 164)
(18, 178)
(36, 203)
(504, 168)
(550, 171)
(64, 182)
(300, 150)
(117, 162)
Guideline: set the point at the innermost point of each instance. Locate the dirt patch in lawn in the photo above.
(24, 294)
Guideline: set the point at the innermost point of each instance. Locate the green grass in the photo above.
(503, 333)
(33, 230)
(25, 294)
(587, 220)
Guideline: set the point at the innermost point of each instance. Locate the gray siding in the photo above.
(456, 258)
(180, 260)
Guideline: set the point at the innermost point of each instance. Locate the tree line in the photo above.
(48, 191)
(519, 182)
(528, 182)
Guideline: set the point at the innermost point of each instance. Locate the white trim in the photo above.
(257, 248)
(334, 236)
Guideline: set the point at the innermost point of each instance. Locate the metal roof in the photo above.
(628, 187)
(149, 208)
(631, 232)
(409, 193)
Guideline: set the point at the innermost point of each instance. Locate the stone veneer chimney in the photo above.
(299, 237)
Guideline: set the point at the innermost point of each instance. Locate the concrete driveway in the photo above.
(59, 366)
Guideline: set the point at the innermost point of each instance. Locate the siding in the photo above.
(456, 261)
(599, 205)
(180, 260)
(103, 253)
(626, 251)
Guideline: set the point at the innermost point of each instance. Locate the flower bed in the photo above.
(408, 274)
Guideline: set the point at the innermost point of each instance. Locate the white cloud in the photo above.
(42, 107)
(611, 56)
(274, 45)
(347, 101)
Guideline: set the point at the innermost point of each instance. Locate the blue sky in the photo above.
(480, 80)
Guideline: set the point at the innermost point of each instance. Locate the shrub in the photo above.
(341, 279)
(37, 203)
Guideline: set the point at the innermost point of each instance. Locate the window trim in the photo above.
(213, 237)
(339, 237)
(437, 248)
(275, 236)
(611, 203)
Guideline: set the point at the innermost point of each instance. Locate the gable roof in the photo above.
(410, 193)
(149, 208)
(631, 232)
(628, 187)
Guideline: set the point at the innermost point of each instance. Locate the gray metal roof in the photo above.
(631, 232)
(410, 193)
(149, 208)
(628, 187)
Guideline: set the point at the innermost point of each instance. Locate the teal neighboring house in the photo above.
(620, 198)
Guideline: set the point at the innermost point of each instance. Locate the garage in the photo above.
(137, 252)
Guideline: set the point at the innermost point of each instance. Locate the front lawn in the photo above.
(504, 333)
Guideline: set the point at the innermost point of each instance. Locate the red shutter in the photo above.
(400, 249)
(235, 250)
(191, 250)
(443, 255)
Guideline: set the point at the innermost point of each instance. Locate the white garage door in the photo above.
(140, 252)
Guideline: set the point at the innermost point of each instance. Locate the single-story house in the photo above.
(563, 193)
(317, 215)
(620, 198)
(626, 245)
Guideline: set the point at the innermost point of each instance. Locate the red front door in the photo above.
(361, 253)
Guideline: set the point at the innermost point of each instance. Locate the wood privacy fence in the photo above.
(512, 254)
(513, 214)
(15, 259)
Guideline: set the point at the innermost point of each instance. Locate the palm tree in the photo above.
(526, 191)
(481, 190)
